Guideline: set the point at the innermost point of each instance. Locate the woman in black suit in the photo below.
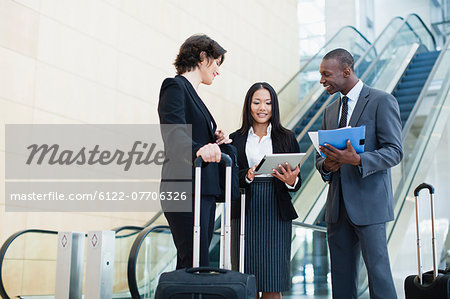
(197, 62)
(269, 207)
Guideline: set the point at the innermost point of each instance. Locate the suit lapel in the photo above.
(240, 142)
(275, 148)
(334, 114)
(360, 105)
(208, 117)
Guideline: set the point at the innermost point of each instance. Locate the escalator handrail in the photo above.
(425, 26)
(315, 55)
(132, 259)
(147, 224)
(372, 46)
(318, 228)
(5, 247)
(423, 92)
(405, 22)
(153, 219)
(136, 229)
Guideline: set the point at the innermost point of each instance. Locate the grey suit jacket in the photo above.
(366, 190)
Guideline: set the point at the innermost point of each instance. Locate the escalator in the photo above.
(408, 89)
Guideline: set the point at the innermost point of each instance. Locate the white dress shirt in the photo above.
(353, 96)
(256, 149)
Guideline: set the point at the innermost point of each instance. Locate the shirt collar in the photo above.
(269, 130)
(353, 94)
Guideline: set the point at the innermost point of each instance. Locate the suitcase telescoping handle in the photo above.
(433, 239)
(225, 235)
(242, 233)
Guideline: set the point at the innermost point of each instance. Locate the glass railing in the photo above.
(295, 96)
(125, 237)
(152, 253)
(310, 266)
(28, 263)
(385, 72)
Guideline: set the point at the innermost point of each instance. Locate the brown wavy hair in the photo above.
(190, 56)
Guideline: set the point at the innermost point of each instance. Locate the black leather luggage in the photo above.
(433, 284)
(207, 282)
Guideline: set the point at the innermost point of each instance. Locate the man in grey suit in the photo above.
(360, 200)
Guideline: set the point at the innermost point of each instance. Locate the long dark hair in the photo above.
(280, 135)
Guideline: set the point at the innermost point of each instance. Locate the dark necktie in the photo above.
(343, 120)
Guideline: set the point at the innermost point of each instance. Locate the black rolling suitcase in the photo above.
(433, 284)
(207, 282)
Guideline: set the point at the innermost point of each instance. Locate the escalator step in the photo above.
(414, 77)
(405, 99)
(404, 115)
(424, 59)
(408, 91)
(433, 54)
(406, 106)
(418, 70)
(424, 63)
(409, 84)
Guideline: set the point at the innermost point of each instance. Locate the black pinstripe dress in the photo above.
(268, 239)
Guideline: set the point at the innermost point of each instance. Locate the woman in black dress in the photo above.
(269, 208)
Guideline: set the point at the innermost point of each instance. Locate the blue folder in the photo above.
(338, 138)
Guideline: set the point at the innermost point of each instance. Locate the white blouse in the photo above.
(256, 149)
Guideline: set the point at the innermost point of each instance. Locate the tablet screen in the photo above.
(272, 161)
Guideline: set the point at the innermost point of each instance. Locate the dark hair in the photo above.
(189, 55)
(280, 135)
(344, 57)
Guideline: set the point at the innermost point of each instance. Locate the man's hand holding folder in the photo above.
(336, 157)
(340, 146)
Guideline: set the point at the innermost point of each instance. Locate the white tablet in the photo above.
(272, 161)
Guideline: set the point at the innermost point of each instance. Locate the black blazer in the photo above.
(179, 103)
(286, 208)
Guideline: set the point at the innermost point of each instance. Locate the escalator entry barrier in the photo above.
(100, 265)
(69, 265)
(429, 284)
